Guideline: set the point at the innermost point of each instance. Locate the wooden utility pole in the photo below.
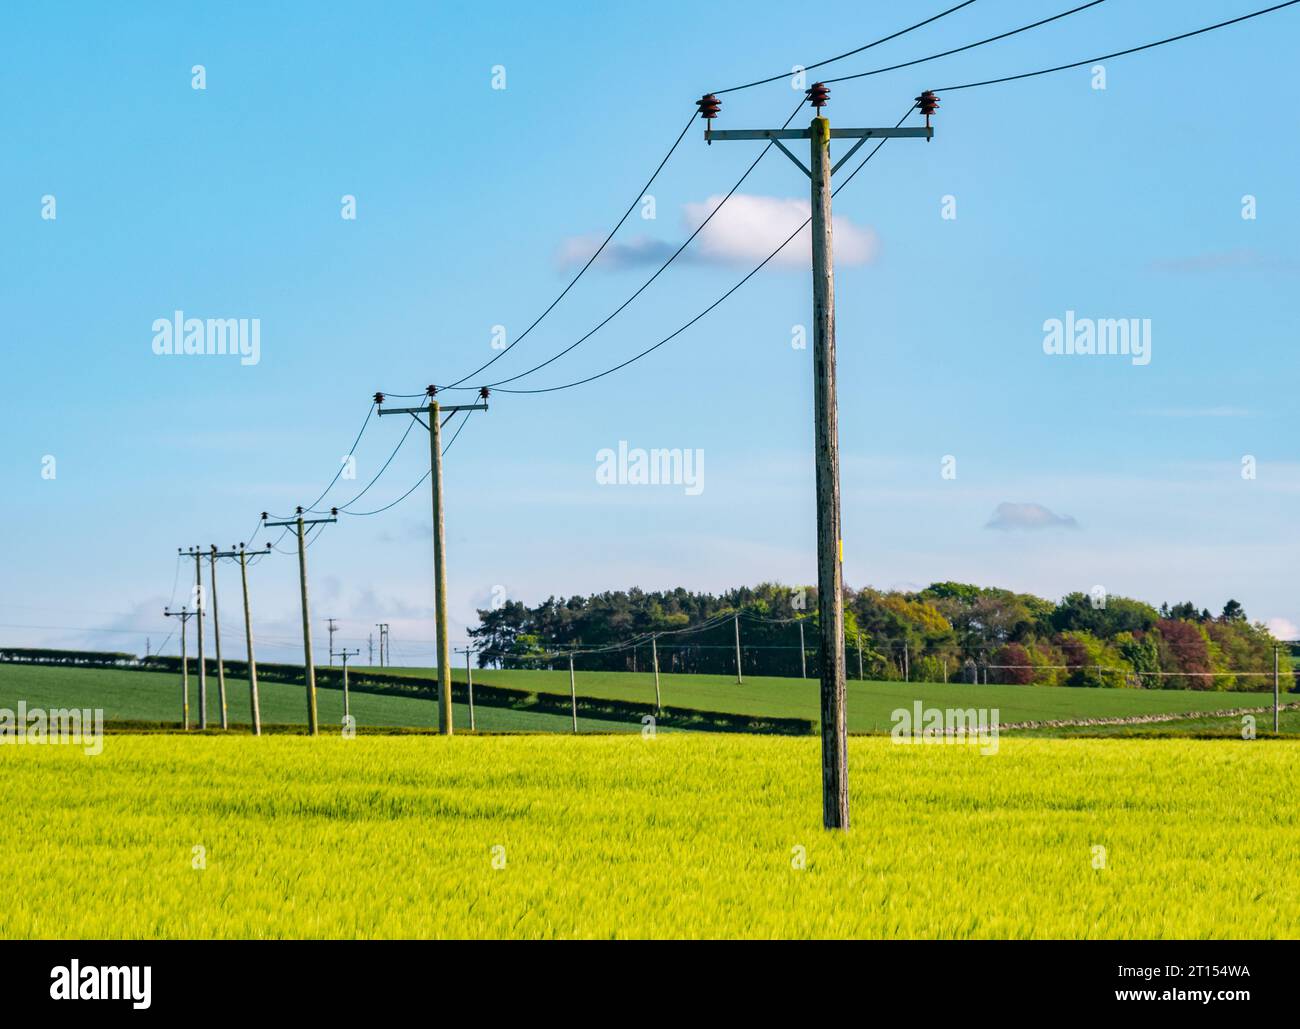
(573, 693)
(199, 607)
(830, 544)
(301, 525)
(803, 654)
(740, 677)
(345, 654)
(1277, 692)
(469, 687)
(238, 552)
(184, 614)
(254, 703)
(469, 683)
(332, 630)
(435, 411)
(654, 655)
(216, 640)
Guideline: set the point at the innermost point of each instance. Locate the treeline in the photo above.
(947, 632)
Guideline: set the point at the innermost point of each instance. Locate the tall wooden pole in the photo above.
(859, 655)
(803, 654)
(440, 570)
(1277, 683)
(573, 694)
(248, 641)
(309, 667)
(654, 654)
(830, 599)
(199, 607)
(740, 677)
(185, 680)
(216, 639)
(347, 709)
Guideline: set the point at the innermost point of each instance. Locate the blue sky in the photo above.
(225, 203)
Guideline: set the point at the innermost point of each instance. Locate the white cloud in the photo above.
(743, 232)
(1009, 516)
(1283, 628)
(748, 228)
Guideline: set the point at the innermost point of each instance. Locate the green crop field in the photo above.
(870, 703)
(622, 836)
(128, 695)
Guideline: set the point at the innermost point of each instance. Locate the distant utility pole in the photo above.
(654, 654)
(370, 644)
(573, 693)
(740, 676)
(803, 654)
(830, 544)
(469, 685)
(333, 629)
(1277, 684)
(435, 412)
(184, 614)
(197, 554)
(383, 641)
(239, 552)
(309, 669)
(345, 654)
(216, 639)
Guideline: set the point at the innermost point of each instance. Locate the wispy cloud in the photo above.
(1244, 258)
(743, 232)
(1009, 517)
(1224, 411)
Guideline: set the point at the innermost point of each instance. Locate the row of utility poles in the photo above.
(302, 525)
(214, 555)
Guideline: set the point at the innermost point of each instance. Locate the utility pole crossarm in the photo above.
(444, 408)
(918, 132)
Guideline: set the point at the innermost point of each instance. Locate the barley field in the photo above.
(623, 836)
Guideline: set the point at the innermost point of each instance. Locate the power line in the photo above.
(759, 267)
(847, 53)
(662, 268)
(351, 450)
(700, 228)
(1123, 53)
(590, 261)
(968, 46)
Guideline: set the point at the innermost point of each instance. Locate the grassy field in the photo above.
(155, 696)
(870, 704)
(620, 836)
(127, 695)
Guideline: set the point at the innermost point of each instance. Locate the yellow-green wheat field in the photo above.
(684, 835)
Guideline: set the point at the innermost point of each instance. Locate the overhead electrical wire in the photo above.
(590, 261)
(763, 152)
(1122, 53)
(677, 332)
(459, 383)
(847, 53)
(845, 182)
(422, 480)
(661, 269)
(968, 46)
